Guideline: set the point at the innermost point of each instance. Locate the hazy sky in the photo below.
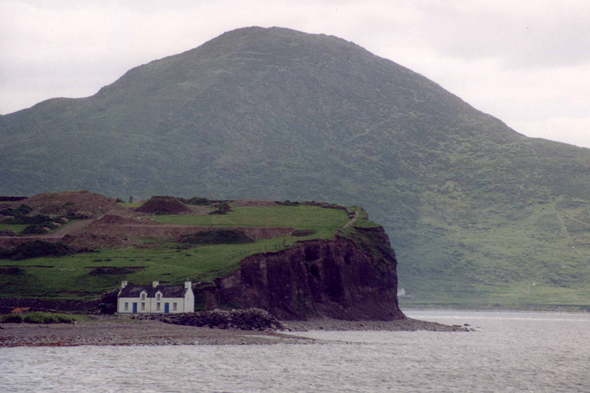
(525, 62)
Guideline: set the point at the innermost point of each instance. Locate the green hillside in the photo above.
(88, 275)
(477, 213)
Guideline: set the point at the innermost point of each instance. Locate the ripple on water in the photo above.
(511, 352)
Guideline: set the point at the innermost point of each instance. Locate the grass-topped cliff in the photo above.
(142, 247)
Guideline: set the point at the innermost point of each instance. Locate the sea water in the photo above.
(509, 352)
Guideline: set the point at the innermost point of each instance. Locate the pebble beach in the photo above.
(112, 330)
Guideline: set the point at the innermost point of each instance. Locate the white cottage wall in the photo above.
(151, 306)
(189, 298)
(184, 304)
(130, 300)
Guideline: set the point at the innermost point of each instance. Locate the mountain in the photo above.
(477, 213)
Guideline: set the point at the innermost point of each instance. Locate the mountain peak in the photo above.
(272, 113)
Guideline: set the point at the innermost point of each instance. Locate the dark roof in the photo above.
(167, 290)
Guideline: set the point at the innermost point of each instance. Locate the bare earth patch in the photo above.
(72, 202)
(253, 203)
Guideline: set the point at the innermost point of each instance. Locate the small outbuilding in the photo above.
(155, 298)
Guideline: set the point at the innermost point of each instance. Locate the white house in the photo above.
(155, 298)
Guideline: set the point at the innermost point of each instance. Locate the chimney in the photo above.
(123, 284)
(187, 284)
(155, 284)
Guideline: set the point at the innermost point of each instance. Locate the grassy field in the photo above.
(324, 221)
(42, 318)
(16, 228)
(74, 277)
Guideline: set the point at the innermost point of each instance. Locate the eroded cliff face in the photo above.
(352, 278)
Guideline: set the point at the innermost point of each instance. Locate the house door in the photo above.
(166, 307)
(134, 308)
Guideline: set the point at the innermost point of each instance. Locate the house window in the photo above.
(143, 296)
(175, 307)
(157, 306)
(126, 306)
(158, 296)
(142, 306)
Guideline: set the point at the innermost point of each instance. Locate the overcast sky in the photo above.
(524, 62)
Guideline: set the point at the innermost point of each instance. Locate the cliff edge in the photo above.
(351, 277)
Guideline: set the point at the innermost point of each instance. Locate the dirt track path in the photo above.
(60, 233)
(355, 217)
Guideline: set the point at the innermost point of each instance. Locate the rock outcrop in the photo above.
(350, 278)
(249, 319)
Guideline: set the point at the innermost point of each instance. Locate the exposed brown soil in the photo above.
(128, 219)
(72, 202)
(253, 203)
(200, 210)
(163, 205)
(97, 242)
(120, 228)
(174, 231)
(56, 236)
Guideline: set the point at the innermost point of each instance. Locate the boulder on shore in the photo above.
(246, 319)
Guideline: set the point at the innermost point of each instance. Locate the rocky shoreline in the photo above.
(121, 331)
(400, 325)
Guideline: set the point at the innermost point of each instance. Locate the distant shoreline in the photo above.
(529, 308)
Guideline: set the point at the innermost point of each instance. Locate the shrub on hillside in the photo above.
(40, 219)
(5, 253)
(10, 271)
(22, 210)
(33, 230)
(11, 318)
(100, 271)
(198, 201)
(218, 236)
(76, 216)
(38, 317)
(221, 208)
(303, 232)
(37, 249)
(287, 203)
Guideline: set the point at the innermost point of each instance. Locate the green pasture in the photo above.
(16, 228)
(324, 221)
(71, 277)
